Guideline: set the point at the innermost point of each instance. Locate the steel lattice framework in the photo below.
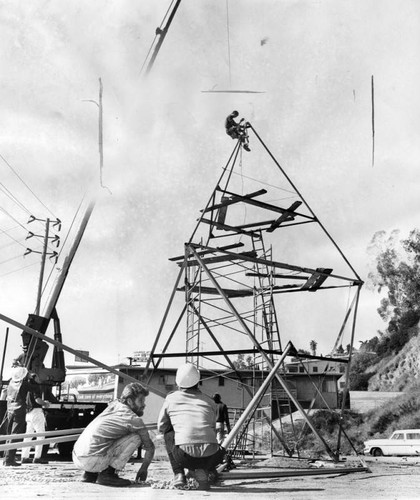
(232, 279)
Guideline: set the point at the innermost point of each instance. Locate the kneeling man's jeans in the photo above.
(179, 459)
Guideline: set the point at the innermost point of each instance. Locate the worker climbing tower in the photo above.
(250, 277)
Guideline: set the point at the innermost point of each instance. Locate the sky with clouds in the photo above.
(164, 143)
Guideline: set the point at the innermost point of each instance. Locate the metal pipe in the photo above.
(290, 473)
(306, 204)
(67, 262)
(162, 34)
(45, 433)
(37, 442)
(61, 432)
(162, 324)
(263, 354)
(255, 400)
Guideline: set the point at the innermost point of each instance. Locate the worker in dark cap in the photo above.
(237, 130)
(35, 420)
(222, 418)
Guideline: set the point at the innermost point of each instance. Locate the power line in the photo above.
(7, 245)
(10, 259)
(26, 185)
(6, 233)
(37, 237)
(11, 243)
(17, 270)
(10, 195)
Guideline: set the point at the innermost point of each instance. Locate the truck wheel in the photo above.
(377, 452)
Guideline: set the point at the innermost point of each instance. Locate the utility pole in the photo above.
(41, 274)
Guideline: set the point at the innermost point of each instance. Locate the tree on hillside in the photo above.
(397, 273)
(359, 379)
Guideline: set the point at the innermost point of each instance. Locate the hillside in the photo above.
(397, 372)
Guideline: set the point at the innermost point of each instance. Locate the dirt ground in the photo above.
(388, 478)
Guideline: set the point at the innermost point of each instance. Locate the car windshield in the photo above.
(398, 435)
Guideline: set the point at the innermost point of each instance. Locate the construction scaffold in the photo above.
(243, 259)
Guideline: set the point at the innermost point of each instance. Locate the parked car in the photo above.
(403, 442)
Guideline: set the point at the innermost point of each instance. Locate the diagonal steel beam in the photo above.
(162, 324)
(266, 417)
(264, 355)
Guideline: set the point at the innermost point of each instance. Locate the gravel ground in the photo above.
(389, 478)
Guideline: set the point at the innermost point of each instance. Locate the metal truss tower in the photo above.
(237, 268)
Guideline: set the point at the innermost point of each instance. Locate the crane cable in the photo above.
(228, 42)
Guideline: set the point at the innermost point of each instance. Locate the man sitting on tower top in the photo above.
(237, 130)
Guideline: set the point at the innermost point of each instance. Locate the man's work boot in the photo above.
(40, 461)
(202, 478)
(109, 477)
(213, 476)
(179, 480)
(89, 477)
(246, 147)
(26, 461)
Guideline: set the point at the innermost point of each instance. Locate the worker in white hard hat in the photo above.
(17, 391)
(188, 422)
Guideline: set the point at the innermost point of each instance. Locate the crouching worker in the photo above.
(109, 441)
(188, 422)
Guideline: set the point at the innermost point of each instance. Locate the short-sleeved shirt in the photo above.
(115, 422)
(191, 414)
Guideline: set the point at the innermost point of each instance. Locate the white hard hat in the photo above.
(187, 376)
(19, 373)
